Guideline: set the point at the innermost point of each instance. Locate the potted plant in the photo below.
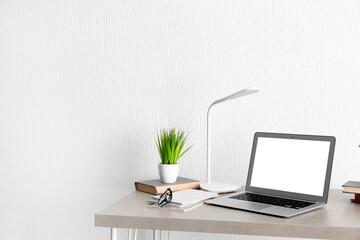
(170, 144)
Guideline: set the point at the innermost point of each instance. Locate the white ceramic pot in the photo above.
(168, 172)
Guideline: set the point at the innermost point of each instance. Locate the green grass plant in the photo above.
(170, 143)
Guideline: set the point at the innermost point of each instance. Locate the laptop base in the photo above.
(285, 212)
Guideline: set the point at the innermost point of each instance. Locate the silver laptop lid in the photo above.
(291, 165)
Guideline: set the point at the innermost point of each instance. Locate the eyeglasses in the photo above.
(165, 198)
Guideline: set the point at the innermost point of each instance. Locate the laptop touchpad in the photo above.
(251, 206)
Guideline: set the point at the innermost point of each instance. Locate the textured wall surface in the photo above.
(84, 85)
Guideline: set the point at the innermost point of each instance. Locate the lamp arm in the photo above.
(208, 142)
(241, 93)
(209, 136)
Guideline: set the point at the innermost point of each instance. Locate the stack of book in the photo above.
(185, 194)
(353, 187)
(184, 200)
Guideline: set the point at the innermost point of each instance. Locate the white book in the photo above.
(175, 207)
(189, 196)
(152, 201)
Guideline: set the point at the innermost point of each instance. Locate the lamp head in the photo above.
(242, 93)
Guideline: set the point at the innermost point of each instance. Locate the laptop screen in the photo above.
(291, 165)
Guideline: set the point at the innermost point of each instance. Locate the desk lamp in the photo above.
(217, 186)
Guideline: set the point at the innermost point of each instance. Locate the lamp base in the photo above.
(219, 187)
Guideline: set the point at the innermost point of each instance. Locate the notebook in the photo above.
(177, 207)
(189, 196)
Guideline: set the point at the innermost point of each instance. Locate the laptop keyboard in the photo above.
(271, 200)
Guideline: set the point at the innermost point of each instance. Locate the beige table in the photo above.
(339, 219)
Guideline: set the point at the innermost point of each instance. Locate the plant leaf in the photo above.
(186, 150)
(170, 144)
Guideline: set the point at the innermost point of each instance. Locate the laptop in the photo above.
(289, 174)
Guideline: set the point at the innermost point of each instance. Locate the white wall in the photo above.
(84, 85)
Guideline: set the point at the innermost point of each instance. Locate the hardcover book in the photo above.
(157, 187)
(352, 184)
(353, 187)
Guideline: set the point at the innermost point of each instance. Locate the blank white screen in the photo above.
(290, 165)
